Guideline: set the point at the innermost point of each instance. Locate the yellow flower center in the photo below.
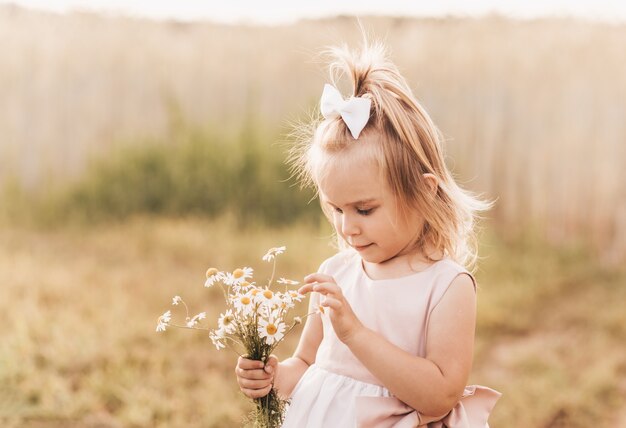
(227, 320)
(268, 294)
(210, 272)
(255, 292)
(245, 300)
(271, 329)
(238, 273)
(245, 284)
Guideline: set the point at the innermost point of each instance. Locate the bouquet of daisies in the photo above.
(253, 324)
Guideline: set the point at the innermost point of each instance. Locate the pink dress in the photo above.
(338, 391)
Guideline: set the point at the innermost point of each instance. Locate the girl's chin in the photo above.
(372, 257)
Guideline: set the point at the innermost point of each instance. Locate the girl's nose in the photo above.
(349, 226)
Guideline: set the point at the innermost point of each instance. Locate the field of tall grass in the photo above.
(135, 154)
(533, 110)
(79, 309)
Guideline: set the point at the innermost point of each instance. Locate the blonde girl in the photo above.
(393, 339)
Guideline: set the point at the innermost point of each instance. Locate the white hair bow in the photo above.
(354, 111)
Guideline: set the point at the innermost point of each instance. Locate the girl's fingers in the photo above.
(321, 283)
(332, 303)
(253, 374)
(256, 393)
(316, 286)
(248, 364)
(272, 365)
(318, 277)
(305, 288)
(253, 384)
(327, 288)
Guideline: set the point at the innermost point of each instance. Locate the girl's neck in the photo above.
(402, 265)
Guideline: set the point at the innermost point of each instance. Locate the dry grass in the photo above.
(79, 306)
(534, 110)
(549, 333)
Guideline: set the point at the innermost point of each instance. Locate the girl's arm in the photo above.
(431, 385)
(291, 370)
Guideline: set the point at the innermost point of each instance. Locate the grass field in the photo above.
(79, 306)
(146, 121)
(532, 111)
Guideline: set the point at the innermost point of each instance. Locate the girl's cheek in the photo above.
(337, 224)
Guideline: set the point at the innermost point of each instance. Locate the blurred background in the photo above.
(142, 143)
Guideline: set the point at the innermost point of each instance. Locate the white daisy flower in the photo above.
(176, 300)
(227, 322)
(238, 276)
(212, 276)
(244, 303)
(192, 322)
(217, 338)
(289, 298)
(273, 252)
(270, 330)
(295, 296)
(267, 297)
(286, 302)
(164, 321)
(273, 314)
(287, 281)
(244, 287)
(248, 285)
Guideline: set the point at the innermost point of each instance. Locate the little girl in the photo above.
(392, 343)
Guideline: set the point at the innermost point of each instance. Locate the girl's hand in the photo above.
(254, 378)
(345, 322)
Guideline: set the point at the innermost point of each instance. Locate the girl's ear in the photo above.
(432, 182)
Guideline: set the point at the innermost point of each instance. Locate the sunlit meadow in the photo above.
(79, 310)
(135, 154)
(533, 110)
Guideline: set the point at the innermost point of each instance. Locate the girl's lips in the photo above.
(361, 247)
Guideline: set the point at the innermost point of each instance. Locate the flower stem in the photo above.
(273, 272)
(189, 328)
(186, 308)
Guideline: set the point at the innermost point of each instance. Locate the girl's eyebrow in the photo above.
(361, 202)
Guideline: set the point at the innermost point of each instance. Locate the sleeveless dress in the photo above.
(338, 391)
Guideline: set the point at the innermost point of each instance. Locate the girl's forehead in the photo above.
(356, 155)
(348, 177)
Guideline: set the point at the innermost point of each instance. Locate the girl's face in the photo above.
(363, 209)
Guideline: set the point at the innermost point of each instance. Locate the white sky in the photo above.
(283, 11)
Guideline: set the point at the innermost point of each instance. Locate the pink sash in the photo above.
(472, 411)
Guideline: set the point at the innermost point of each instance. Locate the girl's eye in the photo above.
(338, 210)
(364, 212)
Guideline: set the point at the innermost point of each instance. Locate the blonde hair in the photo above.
(408, 145)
